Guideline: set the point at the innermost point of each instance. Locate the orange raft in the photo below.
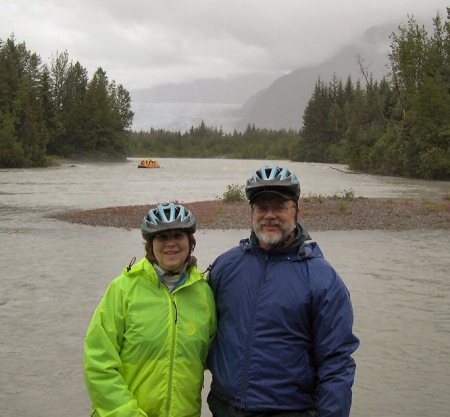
(149, 163)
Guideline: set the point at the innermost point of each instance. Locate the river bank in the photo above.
(317, 213)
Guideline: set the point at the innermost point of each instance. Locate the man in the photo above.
(284, 338)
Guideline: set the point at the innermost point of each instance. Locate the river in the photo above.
(54, 273)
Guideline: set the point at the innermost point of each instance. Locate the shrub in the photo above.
(349, 195)
(234, 192)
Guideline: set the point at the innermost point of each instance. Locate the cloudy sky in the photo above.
(143, 43)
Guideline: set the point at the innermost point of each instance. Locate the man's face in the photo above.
(273, 220)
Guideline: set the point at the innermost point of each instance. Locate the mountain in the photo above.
(179, 106)
(281, 105)
(269, 100)
(233, 90)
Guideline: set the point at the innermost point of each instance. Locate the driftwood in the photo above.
(346, 172)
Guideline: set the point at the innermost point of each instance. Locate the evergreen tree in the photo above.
(11, 150)
(121, 100)
(315, 119)
(11, 71)
(420, 70)
(105, 134)
(74, 115)
(21, 103)
(49, 115)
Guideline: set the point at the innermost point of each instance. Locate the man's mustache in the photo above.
(271, 223)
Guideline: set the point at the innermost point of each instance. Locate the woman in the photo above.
(147, 343)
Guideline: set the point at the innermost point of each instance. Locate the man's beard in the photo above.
(273, 238)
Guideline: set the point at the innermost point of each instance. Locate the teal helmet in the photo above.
(275, 180)
(167, 216)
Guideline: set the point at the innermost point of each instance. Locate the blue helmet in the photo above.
(167, 216)
(275, 180)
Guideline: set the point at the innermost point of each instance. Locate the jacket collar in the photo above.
(145, 267)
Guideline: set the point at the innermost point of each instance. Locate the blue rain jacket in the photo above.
(284, 337)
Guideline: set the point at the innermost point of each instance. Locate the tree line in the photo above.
(397, 126)
(211, 142)
(57, 110)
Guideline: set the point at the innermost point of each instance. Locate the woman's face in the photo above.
(171, 249)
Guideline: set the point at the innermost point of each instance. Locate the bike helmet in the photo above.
(167, 217)
(275, 180)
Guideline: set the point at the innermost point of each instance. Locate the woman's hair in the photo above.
(191, 259)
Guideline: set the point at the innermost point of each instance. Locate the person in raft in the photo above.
(284, 333)
(148, 340)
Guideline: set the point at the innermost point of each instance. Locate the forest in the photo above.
(399, 125)
(57, 111)
(210, 142)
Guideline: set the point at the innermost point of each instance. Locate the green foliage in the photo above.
(57, 111)
(398, 126)
(433, 207)
(320, 198)
(343, 206)
(349, 195)
(233, 193)
(344, 196)
(209, 142)
(11, 154)
(23, 131)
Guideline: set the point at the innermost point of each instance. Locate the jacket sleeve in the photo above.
(212, 277)
(334, 342)
(102, 363)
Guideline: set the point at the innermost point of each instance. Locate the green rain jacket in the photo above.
(146, 348)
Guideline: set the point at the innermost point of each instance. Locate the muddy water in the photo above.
(53, 275)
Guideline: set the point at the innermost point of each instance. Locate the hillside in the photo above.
(281, 105)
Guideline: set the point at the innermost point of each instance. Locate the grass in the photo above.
(346, 195)
(343, 206)
(433, 207)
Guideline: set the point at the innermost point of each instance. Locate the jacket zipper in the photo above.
(173, 309)
(250, 337)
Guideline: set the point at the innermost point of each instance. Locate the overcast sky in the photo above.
(142, 43)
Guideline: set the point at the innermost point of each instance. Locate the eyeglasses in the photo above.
(276, 208)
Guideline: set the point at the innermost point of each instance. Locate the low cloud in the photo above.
(144, 43)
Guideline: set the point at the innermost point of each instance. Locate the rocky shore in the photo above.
(317, 213)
